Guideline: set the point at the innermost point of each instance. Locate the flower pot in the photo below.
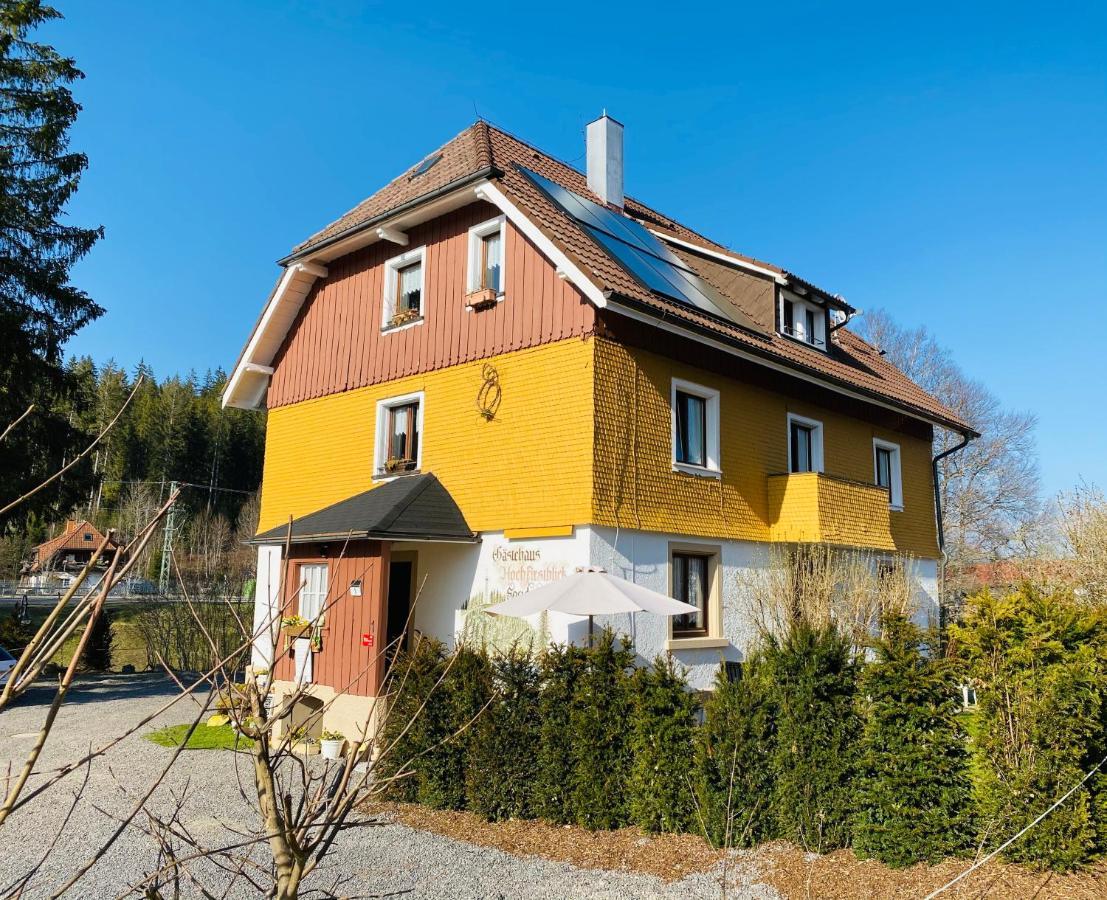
(332, 749)
(485, 298)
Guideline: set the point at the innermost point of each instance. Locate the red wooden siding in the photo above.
(342, 663)
(336, 343)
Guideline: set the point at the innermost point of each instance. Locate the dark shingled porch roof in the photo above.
(408, 508)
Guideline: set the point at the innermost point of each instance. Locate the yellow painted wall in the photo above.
(528, 468)
(636, 487)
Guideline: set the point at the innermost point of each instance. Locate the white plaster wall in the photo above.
(643, 557)
(452, 578)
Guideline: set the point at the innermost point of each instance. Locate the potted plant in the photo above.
(403, 317)
(293, 627)
(304, 743)
(332, 742)
(485, 298)
(398, 464)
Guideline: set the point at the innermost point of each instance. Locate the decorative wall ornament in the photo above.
(490, 395)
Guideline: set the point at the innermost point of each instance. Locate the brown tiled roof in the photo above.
(71, 538)
(849, 361)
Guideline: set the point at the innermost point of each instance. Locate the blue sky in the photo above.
(944, 161)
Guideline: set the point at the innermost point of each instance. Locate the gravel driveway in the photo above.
(389, 859)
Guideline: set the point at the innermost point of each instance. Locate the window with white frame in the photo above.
(695, 427)
(805, 444)
(887, 473)
(399, 445)
(404, 289)
(803, 320)
(486, 256)
(313, 590)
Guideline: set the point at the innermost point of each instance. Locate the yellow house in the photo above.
(498, 368)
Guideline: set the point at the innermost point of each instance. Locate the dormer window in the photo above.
(803, 320)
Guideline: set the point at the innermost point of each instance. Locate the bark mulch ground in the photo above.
(668, 856)
(837, 876)
(797, 875)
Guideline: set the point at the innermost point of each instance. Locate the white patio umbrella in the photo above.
(591, 592)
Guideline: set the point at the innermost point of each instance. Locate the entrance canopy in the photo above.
(408, 508)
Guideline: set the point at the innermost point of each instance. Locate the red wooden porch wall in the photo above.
(342, 663)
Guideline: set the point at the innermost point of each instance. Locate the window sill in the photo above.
(706, 642)
(381, 475)
(895, 507)
(400, 326)
(699, 471)
(806, 343)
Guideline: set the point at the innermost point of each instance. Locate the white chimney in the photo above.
(604, 140)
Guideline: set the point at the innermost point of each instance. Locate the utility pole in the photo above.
(167, 543)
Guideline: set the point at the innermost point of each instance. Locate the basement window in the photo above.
(404, 290)
(695, 428)
(399, 436)
(887, 473)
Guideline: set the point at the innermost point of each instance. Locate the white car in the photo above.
(7, 663)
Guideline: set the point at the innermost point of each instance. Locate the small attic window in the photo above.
(425, 166)
(803, 320)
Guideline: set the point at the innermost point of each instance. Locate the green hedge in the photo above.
(1039, 663)
(802, 741)
(914, 794)
(734, 758)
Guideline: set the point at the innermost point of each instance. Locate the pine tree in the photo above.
(814, 683)
(914, 794)
(734, 758)
(662, 723)
(598, 723)
(1040, 664)
(560, 668)
(39, 309)
(502, 764)
(97, 653)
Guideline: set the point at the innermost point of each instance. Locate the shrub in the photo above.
(734, 756)
(96, 656)
(14, 634)
(559, 669)
(412, 723)
(662, 721)
(598, 724)
(814, 682)
(450, 716)
(914, 793)
(502, 764)
(1038, 660)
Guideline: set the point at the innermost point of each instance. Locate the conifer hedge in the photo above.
(409, 727)
(734, 758)
(662, 723)
(913, 791)
(452, 712)
(600, 748)
(814, 681)
(1038, 660)
(559, 669)
(502, 764)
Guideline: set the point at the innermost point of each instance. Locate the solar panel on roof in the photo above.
(636, 250)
